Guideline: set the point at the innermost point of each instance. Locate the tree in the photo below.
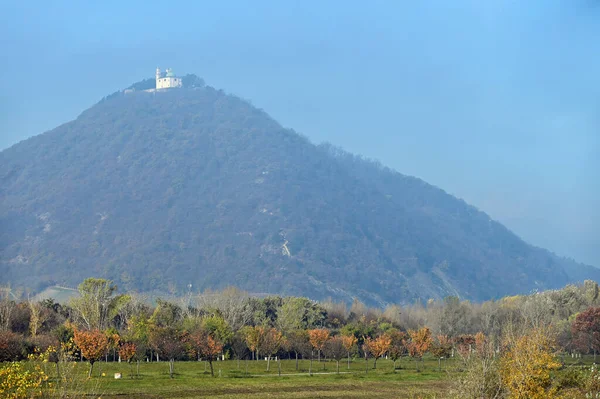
(271, 342)
(464, 344)
(253, 335)
(454, 316)
(586, 331)
(481, 377)
(7, 307)
(206, 345)
(93, 345)
(127, 351)
(298, 313)
(239, 347)
(290, 314)
(96, 305)
(335, 349)
(349, 342)
(113, 341)
(138, 328)
(397, 345)
(299, 343)
(35, 316)
(441, 349)
(166, 314)
(17, 381)
(232, 304)
(11, 346)
(218, 328)
(317, 338)
(526, 365)
(420, 342)
(168, 342)
(377, 347)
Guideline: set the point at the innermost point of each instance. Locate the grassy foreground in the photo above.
(191, 380)
(248, 379)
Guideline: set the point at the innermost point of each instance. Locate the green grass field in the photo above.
(250, 379)
(230, 381)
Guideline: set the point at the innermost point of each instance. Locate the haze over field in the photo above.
(495, 102)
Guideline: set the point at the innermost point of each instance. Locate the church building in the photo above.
(168, 80)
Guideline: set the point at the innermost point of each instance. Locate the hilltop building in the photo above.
(167, 80)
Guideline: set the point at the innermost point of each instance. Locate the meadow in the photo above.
(248, 379)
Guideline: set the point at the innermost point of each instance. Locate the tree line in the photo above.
(101, 324)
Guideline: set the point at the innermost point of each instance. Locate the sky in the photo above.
(496, 102)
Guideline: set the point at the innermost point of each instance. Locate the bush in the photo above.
(19, 382)
(570, 378)
(12, 346)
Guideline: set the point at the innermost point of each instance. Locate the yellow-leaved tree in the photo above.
(527, 364)
(17, 381)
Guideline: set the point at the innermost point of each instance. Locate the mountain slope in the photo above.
(156, 190)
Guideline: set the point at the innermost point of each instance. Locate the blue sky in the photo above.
(497, 102)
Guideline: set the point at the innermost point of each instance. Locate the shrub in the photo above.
(12, 346)
(19, 382)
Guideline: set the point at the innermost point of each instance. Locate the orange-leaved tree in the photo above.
(441, 349)
(93, 344)
(317, 338)
(206, 345)
(127, 351)
(464, 345)
(377, 347)
(420, 342)
(526, 365)
(271, 343)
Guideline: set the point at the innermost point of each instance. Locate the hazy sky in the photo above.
(497, 102)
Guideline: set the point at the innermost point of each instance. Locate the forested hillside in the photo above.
(160, 190)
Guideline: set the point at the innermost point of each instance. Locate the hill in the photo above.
(193, 186)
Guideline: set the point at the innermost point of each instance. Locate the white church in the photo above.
(167, 80)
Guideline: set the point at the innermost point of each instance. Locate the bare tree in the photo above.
(231, 303)
(7, 306)
(335, 349)
(536, 311)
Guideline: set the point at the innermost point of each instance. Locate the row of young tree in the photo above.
(101, 324)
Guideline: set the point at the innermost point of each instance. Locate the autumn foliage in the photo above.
(464, 344)
(348, 341)
(419, 344)
(254, 336)
(19, 382)
(93, 344)
(204, 345)
(586, 330)
(527, 364)
(318, 337)
(127, 351)
(377, 347)
(169, 342)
